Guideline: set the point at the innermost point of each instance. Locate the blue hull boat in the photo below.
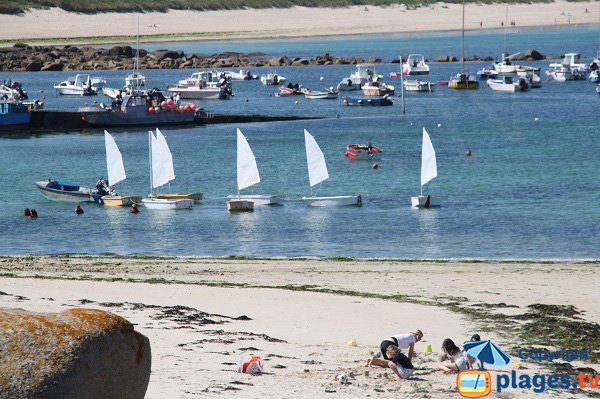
(378, 101)
(13, 113)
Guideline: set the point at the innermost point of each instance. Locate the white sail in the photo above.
(247, 171)
(114, 160)
(162, 164)
(428, 163)
(162, 141)
(317, 169)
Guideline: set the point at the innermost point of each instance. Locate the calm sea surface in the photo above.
(531, 188)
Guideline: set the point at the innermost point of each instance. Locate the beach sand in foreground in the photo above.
(302, 313)
(295, 22)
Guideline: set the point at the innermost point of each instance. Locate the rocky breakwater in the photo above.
(22, 57)
(77, 353)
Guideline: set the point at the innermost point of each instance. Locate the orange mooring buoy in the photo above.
(468, 153)
(375, 166)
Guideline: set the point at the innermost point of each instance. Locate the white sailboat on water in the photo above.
(116, 174)
(317, 172)
(247, 175)
(428, 173)
(161, 173)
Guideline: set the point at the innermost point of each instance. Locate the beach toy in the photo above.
(352, 343)
(427, 348)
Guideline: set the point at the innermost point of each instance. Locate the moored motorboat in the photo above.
(418, 86)
(271, 79)
(415, 65)
(363, 152)
(204, 85)
(559, 72)
(330, 94)
(80, 85)
(532, 78)
(374, 101)
(508, 84)
(14, 113)
(243, 74)
(364, 73)
(377, 88)
(463, 81)
(487, 73)
(62, 190)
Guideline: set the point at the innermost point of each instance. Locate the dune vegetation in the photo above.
(95, 6)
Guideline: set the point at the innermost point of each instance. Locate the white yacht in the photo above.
(415, 65)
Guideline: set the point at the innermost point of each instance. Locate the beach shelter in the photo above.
(487, 352)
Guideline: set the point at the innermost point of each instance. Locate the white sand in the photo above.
(198, 361)
(295, 22)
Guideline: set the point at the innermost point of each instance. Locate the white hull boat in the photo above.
(364, 73)
(200, 93)
(161, 173)
(80, 85)
(342, 200)
(559, 73)
(317, 173)
(428, 173)
(247, 175)
(241, 75)
(377, 89)
(321, 95)
(272, 79)
(259, 199)
(507, 84)
(418, 86)
(415, 65)
(532, 78)
(165, 204)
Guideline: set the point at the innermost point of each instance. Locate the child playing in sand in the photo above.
(459, 359)
(402, 341)
(399, 363)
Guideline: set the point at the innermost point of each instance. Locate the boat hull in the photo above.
(84, 194)
(165, 204)
(461, 85)
(259, 199)
(121, 200)
(177, 196)
(342, 200)
(360, 152)
(349, 101)
(240, 205)
(109, 118)
(418, 86)
(15, 119)
(425, 201)
(201, 94)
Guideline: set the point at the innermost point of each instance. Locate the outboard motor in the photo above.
(104, 189)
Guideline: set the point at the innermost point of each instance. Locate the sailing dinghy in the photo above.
(247, 175)
(428, 173)
(317, 172)
(161, 173)
(116, 174)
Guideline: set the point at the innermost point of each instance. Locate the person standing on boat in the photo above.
(118, 102)
(176, 98)
(402, 341)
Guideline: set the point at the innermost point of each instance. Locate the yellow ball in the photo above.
(296, 102)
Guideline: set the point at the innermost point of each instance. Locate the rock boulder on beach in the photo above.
(77, 353)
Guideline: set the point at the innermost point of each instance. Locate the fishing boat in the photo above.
(415, 65)
(559, 72)
(377, 88)
(375, 101)
(204, 85)
(80, 85)
(418, 86)
(14, 113)
(364, 73)
(531, 77)
(242, 74)
(290, 90)
(428, 173)
(463, 80)
(11, 89)
(161, 173)
(508, 84)
(66, 191)
(579, 69)
(116, 174)
(317, 173)
(330, 94)
(137, 110)
(247, 175)
(271, 79)
(363, 152)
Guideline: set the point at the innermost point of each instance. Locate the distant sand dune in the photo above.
(295, 22)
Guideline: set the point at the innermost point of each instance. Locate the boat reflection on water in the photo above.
(429, 231)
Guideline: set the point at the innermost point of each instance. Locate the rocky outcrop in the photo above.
(78, 353)
(25, 57)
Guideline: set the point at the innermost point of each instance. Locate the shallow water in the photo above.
(529, 190)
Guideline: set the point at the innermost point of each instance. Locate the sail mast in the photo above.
(504, 53)
(462, 58)
(150, 159)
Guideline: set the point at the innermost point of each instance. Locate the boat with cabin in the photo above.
(415, 65)
(364, 73)
(14, 113)
(80, 85)
(66, 191)
(463, 80)
(204, 85)
(271, 78)
(507, 84)
(377, 88)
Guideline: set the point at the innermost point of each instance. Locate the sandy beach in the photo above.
(300, 315)
(296, 22)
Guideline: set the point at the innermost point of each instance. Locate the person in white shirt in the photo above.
(402, 341)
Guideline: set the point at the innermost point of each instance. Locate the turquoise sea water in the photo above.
(530, 190)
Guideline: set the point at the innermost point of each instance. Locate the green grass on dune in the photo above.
(94, 6)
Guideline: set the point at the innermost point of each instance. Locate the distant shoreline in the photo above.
(56, 26)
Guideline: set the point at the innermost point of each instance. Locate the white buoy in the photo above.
(536, 119)
(439, 125)
(322, 78)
